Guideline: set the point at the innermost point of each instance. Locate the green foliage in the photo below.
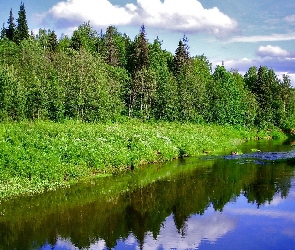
(85, 37)
(181, 57)
(113, 47)
(274, 97)
(10, 31)
(22, 29)
(36, 156)
(230, 101)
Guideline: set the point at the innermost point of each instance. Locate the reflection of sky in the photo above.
(241, 225)
(198, 228)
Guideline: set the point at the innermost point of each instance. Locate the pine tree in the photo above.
(181, 56)
(141, 55)
(52, 42)
(10, 32)
(22, 30)
(76, 41)
(3, 32)
(112, 52)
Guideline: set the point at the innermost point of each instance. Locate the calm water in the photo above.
(232, 202)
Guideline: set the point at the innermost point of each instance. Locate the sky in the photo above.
(240, 33)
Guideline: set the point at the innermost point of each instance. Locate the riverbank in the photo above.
(38, 156)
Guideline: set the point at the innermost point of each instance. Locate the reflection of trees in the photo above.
(270, 179)
(144, 209)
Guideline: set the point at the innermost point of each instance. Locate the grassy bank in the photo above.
(37, 156)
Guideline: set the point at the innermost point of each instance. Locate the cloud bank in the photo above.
(290, 19)
(187, 16)
(272, 51)
(265, 38)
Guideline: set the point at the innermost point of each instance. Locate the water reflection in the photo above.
(208, 204)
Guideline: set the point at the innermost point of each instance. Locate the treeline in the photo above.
(108, 76)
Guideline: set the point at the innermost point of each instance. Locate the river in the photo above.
(242, 201)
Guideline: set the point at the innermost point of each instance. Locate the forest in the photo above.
(107, 76)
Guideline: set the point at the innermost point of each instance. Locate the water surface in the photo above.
(225, 202)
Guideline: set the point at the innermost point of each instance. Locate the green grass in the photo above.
(41, 155)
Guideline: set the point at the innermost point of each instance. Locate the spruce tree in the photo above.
(22, 30)
(10, 32)
(3, 32)
(52, 42)
(141, 51)
(112, 52)
(181, 56)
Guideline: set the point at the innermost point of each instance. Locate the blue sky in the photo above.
(241, 33)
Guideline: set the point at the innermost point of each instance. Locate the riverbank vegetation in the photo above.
(38, 156)
(95, 103)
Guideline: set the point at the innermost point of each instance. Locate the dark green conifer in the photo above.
(52, 42)
(141, 51)
(10, 31)
(3, 32)
(112, 52)
(181, 56)
(22, 30)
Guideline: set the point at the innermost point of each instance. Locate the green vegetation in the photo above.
(37, 156)
(101, 103)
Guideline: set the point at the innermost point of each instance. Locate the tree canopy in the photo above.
(107, 76)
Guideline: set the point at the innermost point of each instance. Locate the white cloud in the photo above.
(269, 213)
(266, 38)
(184, 16)
(290, 19)
(272, 51)
(100, 12)
(198, 228)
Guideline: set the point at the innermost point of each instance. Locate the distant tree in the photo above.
(230, 101)
(52, 42)
(265, 85)
(111, 50)
(250, 78)
(22, 30)
(76, 41)
(181, 56)
(10, 31)
(3, 32)
(142, 86)
(64, 43)
(141, 50)
(85, 37)
(288, 98)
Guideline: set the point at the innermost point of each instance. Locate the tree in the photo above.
(181, 56)
(142, 85)
(52, 42)
(3, 32)
(288, 98)
(230, 101)
(10, 31)
(165, 99)
(22, 30)
(141, 51)
(85, 37)
(112, 52)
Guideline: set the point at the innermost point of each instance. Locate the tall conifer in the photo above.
(181, 56)
(22, 30)
(10, 32)
(52, 41)
(141, 50)
(3, 32)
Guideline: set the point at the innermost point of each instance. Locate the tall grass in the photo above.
(42, 155)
